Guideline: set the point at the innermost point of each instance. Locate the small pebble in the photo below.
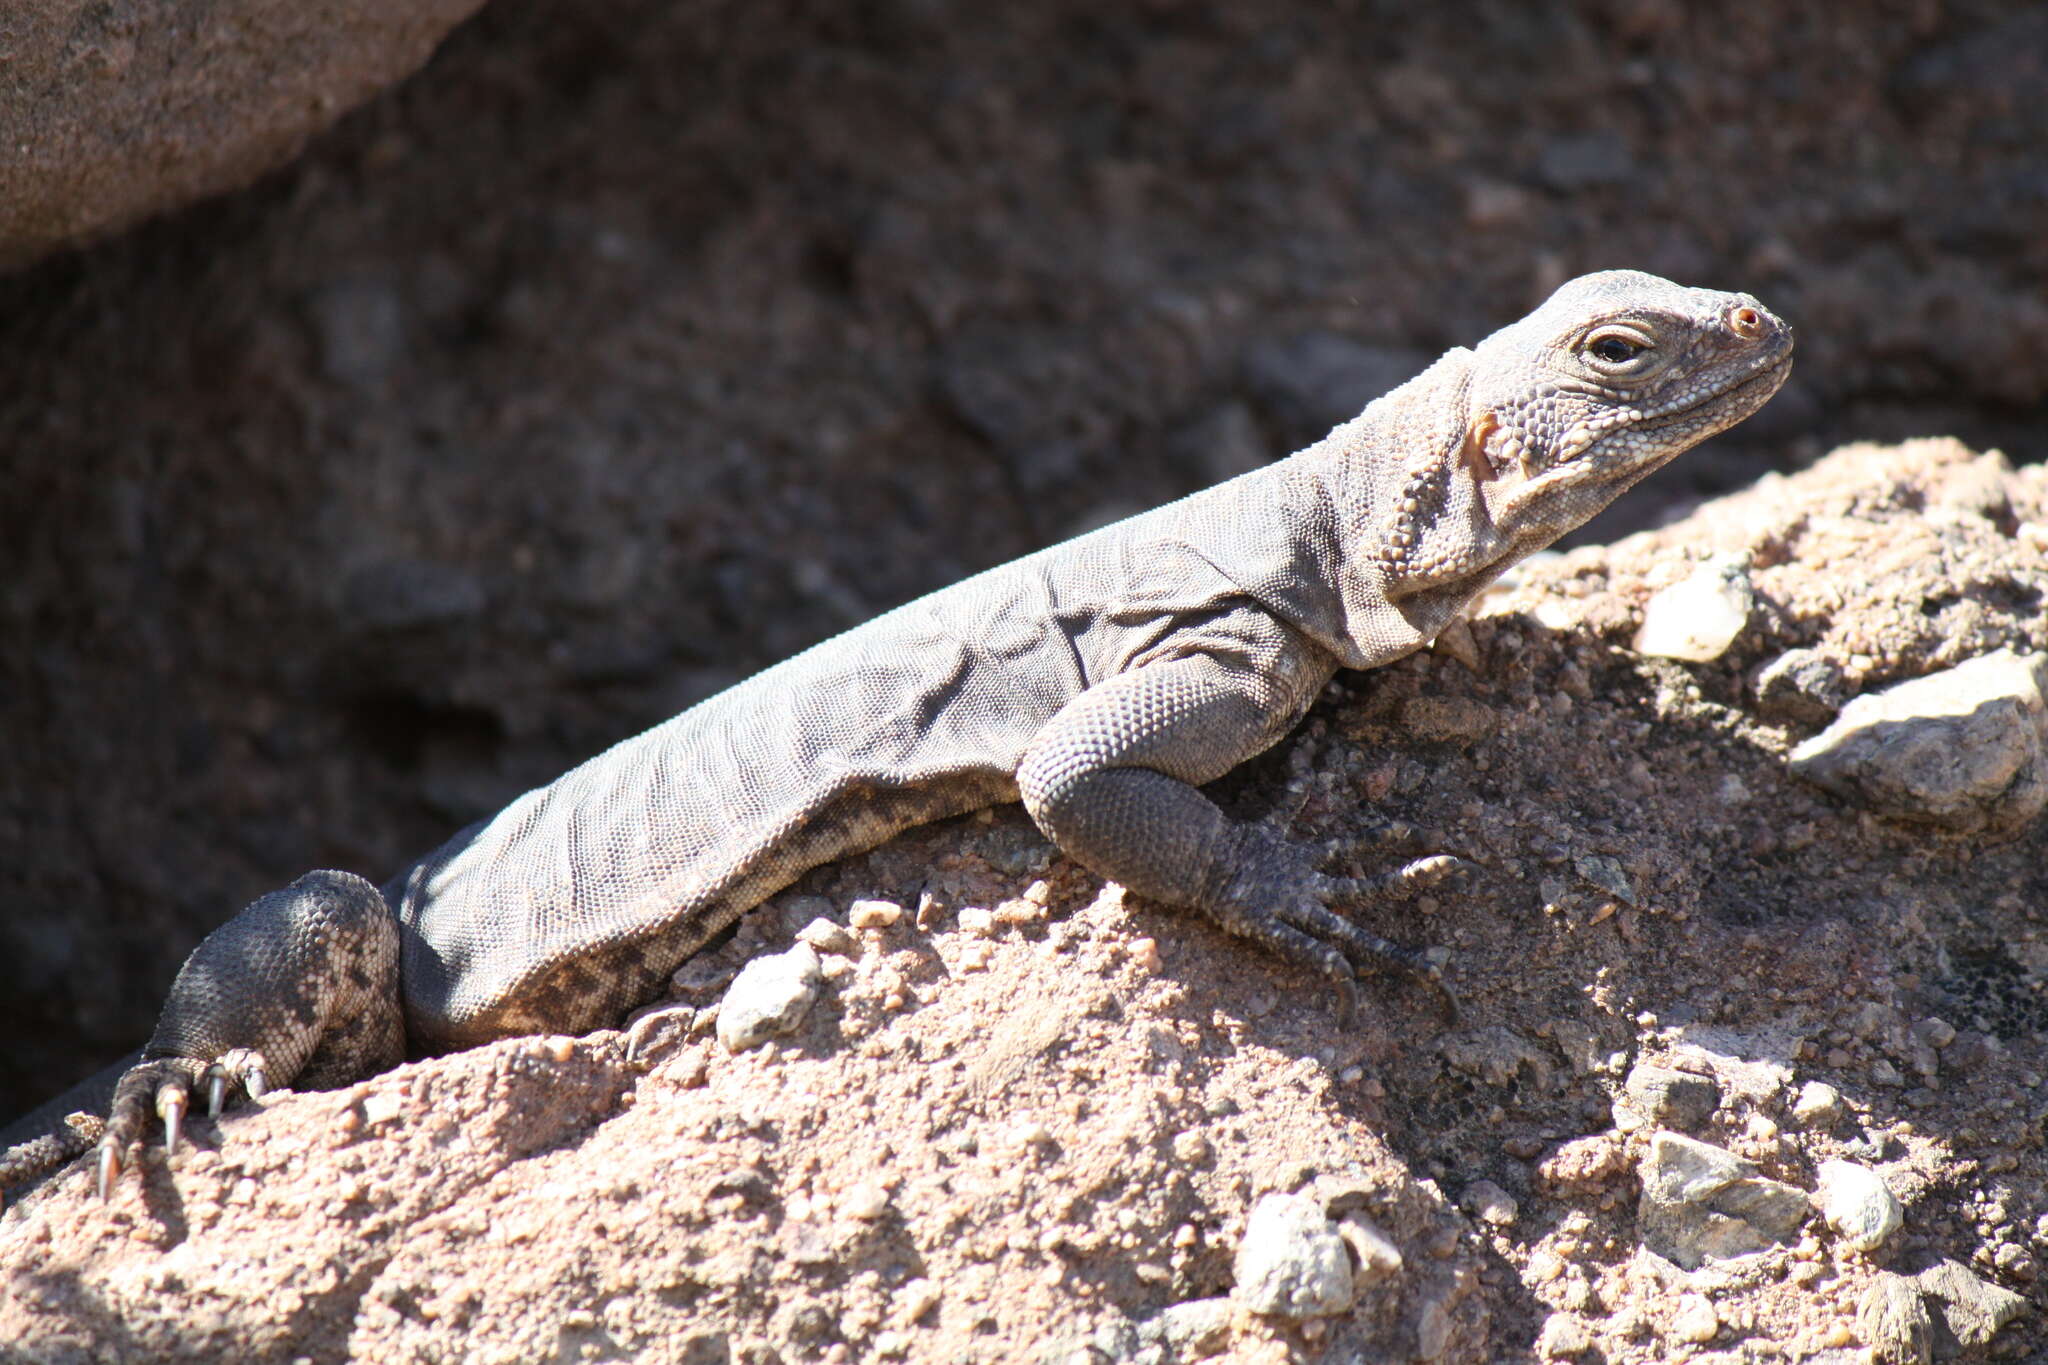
(770, 997)
(1819, 1104)
(1563, 1337)
(1489, 1203)
(1857, 1204)
(1019, 911)
(829, 936)
(1936, 1033)
(873, 914)
(1378, 1257)
(1145, 955)
(381, 1105)
(866, 1201)
(1695, 1321)
(1190, 1148)
(916, 1298)
(976, 920)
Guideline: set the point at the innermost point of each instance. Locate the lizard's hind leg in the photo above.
(302, 986)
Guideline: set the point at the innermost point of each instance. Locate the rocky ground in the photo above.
(631, 347)
(1745, 1070)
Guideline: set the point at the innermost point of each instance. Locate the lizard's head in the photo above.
(1614, 376)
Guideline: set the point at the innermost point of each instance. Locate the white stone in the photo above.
(1697, 618)
(1291, 1262)
(1965, 748)
(770, 997)
(1857, 1204)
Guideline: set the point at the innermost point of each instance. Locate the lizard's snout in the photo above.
(1751, 321)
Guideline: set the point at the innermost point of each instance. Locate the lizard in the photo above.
(1102, 681)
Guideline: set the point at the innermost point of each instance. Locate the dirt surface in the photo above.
(113, 111)
(1031, 1115)
(632, 347)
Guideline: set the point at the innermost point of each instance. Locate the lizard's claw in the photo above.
(244, 1066)
(161, 1086)
(109, 1168)
(170, 1107)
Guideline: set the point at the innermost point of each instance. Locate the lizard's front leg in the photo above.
(301, 986)
(1112, 780)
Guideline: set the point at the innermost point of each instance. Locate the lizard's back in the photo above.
(572, 905)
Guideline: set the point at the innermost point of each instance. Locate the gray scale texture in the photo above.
(1102, 681)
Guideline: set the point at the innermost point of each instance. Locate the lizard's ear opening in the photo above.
(1474, 453)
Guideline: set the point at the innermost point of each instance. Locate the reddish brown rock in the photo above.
(112, 112)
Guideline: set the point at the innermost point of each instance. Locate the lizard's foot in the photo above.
(301, 986)
(1303, 926)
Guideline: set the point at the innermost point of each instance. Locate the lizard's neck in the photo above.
(1294, 545)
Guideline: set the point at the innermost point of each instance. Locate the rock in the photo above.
(1801, 685)
(873, 914)
(1857, 1204)
(1672, 1099)
(1433, 1329)
(1971, 1308)
(1489, 1203)
(115, 114)
(1563, 1336)
(1292, 1262)
(410, 594)
(1585, 1162)
(1190, 1330)
(1608, 875)
(1819, 1105)
(1963, 748)
(1934, 1032)
(829, 936)
(1495, 1055)
(1894, 1323)
(1572, 162)
(1377, 1256)
(1697, 618)
(1695, 1321)
(770, 997)
(1700, 1202)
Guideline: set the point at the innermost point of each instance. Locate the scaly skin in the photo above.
(1102, 682)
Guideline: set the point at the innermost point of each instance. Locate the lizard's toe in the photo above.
(171, 1102)
(1368, 950)
(161, 1087)
(1285, 936)
(242, 1066)
(1399, 884)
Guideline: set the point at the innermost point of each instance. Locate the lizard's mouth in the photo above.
(1737, 401)
(1619, 457)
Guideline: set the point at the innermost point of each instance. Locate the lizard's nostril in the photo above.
(1746, 323)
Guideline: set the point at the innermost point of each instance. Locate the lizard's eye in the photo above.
(1615, 350)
